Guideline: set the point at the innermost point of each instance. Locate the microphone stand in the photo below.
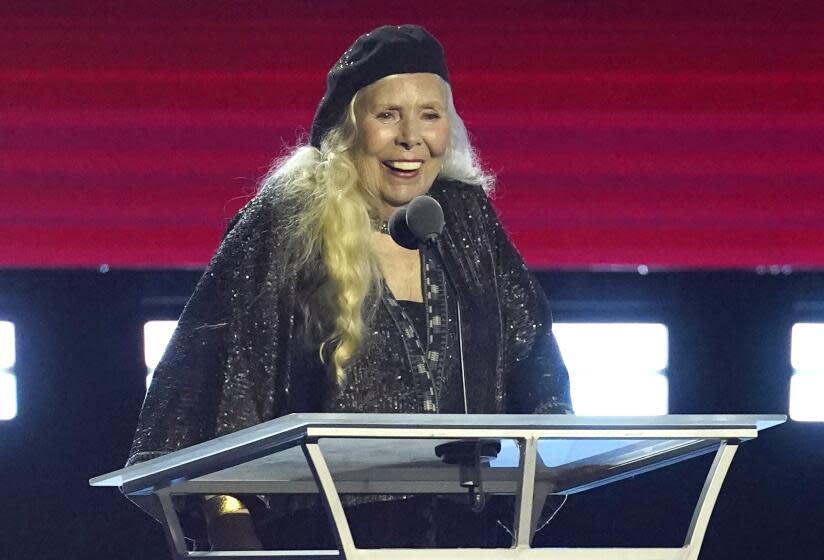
(433, 243)
(419, 224)
(469, 455)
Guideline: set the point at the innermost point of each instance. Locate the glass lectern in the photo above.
(528, 456)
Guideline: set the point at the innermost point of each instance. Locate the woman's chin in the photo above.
(401, 193)
(398, 201)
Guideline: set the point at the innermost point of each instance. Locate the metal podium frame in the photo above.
(154, 484)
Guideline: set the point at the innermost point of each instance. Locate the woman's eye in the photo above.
(431, 116)
(385, 115)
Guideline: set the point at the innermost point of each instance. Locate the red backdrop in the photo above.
(685, 134)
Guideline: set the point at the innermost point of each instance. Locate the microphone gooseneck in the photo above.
(419, 224)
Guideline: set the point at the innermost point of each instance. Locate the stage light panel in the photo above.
(7, 353)
(807, 347)
(156, 336)
(807, 397)
(616, 369)
(645, 394)
(807, 382)
(618, 348)
(8, 396)
(8, 382)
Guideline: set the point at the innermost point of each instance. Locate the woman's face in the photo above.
(403, 133)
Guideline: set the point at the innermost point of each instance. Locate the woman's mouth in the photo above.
(403, 168)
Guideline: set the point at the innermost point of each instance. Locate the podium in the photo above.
(539, 455)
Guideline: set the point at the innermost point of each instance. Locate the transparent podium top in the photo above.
(389, 453)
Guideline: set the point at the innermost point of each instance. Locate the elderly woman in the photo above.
(310, 306)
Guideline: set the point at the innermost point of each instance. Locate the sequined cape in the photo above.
(239, 358)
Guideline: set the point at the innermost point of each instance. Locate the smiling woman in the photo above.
(403, 134)
(309, 306)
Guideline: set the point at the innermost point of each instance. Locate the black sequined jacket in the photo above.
(238, 356)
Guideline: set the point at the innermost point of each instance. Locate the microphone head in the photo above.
(424, 217)
(400, 231)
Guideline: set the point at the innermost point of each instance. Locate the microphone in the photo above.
(419, 224)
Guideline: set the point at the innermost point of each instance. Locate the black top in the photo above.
(416, 311)
(239, 357)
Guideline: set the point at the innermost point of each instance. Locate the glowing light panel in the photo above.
(807, 397)
(8, 396)
(7, 355)
(616, 369)
(8, 382)
(807, 382)
(156, 336)
(644, 394)
(807, 350)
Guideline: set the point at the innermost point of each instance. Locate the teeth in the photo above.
(405, 165)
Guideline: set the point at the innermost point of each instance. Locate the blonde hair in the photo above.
(333, 221)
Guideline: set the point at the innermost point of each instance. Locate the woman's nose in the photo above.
(408, 134)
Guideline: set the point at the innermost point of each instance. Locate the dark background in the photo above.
(81, 381)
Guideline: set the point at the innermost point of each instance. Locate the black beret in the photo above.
(388, 50)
